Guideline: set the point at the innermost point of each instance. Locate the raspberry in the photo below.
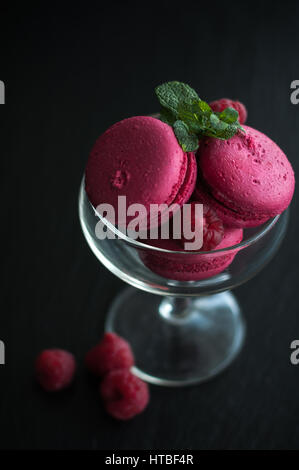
(213, 230)
(124, 394)
(113, 352)
(220, 105)
(55, 369)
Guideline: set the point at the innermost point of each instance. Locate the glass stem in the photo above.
(175, 309)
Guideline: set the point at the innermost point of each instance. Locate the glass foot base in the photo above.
(178, 341)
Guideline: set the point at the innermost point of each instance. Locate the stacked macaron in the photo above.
(139, 158)
(240, 175)
(246, 179)
(186, 266)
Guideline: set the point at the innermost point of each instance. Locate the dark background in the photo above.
(69, 74)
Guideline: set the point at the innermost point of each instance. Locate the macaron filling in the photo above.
(184, 192)
(181, 180)
(188, 185)
(226, 204)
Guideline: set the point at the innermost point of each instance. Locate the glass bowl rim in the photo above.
(266, 227)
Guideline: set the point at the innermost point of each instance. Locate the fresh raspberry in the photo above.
(55, 369)
(220, 105)
(113, 352)
(213, 230)
(124, 394)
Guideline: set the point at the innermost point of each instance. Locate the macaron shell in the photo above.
(190, 267)
(229, 217)
(188, 185)
(249, 175)
(185, 192)
(139, 158)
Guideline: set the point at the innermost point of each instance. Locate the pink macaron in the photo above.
(246, 179)
(139, 158)
(186, 266)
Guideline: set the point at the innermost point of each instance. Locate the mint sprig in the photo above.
(187, 140)
(192, 118)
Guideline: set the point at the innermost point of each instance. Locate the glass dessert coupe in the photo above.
(181, 332)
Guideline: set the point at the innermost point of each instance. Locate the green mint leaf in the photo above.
(187, 140)
(193, 118)
(187, 114)
(227, 133)
(238, 125)
(229, 115)
(167, 116)
(218, 125)
(195, 114)
(171, 94)
(204, 107)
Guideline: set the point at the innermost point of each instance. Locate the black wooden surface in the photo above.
(69, 75)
